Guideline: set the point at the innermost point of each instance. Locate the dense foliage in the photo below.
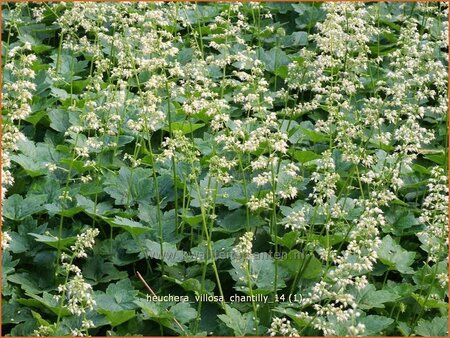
(265, 168)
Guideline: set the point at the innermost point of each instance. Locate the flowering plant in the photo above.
(291, 154)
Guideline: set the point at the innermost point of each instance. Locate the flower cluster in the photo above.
(75, 294)
(84, 241)
(434, 237)
(244, 248)
(79, 295)
(282, 326)
(18, 89)
(6, 239)
(310, 127)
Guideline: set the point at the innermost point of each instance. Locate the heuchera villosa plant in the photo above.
(292, 154)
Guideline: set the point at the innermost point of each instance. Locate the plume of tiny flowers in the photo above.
(45, 330)
(346, 30)
(79, 295)
(75, 291)
(6, 239)
(179, 146)
(282, 326)
(434, 237)
(325, 179)
(17, 91)
(243, 250)
(75, 294)
(84, 241)
(219, 168)
(296, 220)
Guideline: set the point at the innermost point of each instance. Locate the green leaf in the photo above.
(78, 86)
(54, 241)
(21, 240)
(262, 270)
(326, 241)
(47, 300)
(308, 266)
(69, 64)
(313, 136)
(421, 169)
(221, 249)
(59, 120)
(241, 324)
(375, 325)
(289, 240)
(96, 270)
(237, 220)
(123, 292)
(183, 312)
(394, 256)
(115, 249)
(192, 220)
(304, 156)
(195, 286)
(19, 243)
(130, 186)
(262, 267)
(404, 328)
(436, 327)
(170, 254)
(439, 159)
(185, 55)
(401, 221)
(133, 227)
(60, 93)
(233, 221)
(159, 312)
(308, 14)
(58, 208)
(118, 317)
(94, 209)
(17, 208)
(305, 132)
(117, 303)
(24, 329)
(26, 282)
(373, 298)
(39, 319)
(36, 117)
(296, 39)
(425, 275)
(156, 311)
(185, 127)
(149, 215)
(431, 303)
(13, 313)
(8, 265)
(273, 58)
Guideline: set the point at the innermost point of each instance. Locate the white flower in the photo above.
(434, 237)
(296, 220)
(6, 239)
(282, 326)
(51, 167)
(289, 193)
(244, 248)
(87, 324)
(86, 178)
(262, 178)
(356, 330)
(84, 241)
(79, 295)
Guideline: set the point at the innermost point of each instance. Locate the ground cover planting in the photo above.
(224, 169)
